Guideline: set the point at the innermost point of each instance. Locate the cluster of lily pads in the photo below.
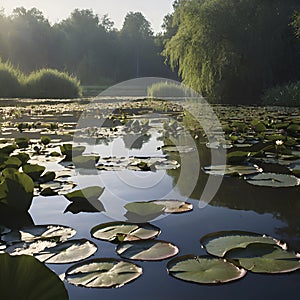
(263, 146)
(52, 244)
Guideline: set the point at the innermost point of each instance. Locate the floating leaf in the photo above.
(147, 250)
(34, 171)
(48, 176)
(103, 273)
(67, 252)
(91, 193)
(24, 277)
(218, 243)
(143, 211)
(85, 161)
(232, 170)
(40, 232)
(22, 142)
(273, 180)
(204, 269)
(123, 231)
(16, 189)
(174, 206)
(265, 258)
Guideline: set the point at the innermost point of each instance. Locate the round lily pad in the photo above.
(147, 250)
(57, 233)
(204, 269)
(273, 180)
(218, 243)
(103, 273)
(123, 231)
(265, 258)
(174, 206)
(67, 252)
(232, 170)
(24, 277)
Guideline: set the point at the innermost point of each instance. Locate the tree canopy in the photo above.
(232, 50)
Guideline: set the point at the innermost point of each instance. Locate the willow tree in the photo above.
(231, 50)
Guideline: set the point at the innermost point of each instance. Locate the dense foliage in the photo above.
(83, 44)
(44, 83)
(286, 95)
(233, 50)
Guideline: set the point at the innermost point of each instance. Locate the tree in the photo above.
(232, 50)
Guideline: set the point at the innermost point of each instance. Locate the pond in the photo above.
(139, 162)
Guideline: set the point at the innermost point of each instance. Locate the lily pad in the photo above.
(103, 273)
(265, 258)
(58, 233)
(16, 189)
(34, 171)
(204, 269)
(143, 211)
(87, 194)
(24, 277)
(273, 180)
(218, 243)
(67, 252)
(174, 206)
(123, 231)
(147, 250)
(85, 161)
(232, 170)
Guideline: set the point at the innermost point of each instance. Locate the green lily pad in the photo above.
(48, 176)
(265, 258)
(218, 243)
(273, 180)
(85, 161)
(91, 193)
(232, 170)
(204, 269)
(24, 277)
(143, 211)
(147, 250)
(40, 232)
(57, 187)
(103, 273)
(174, 206)
(16, 189)
(69, 151)
(123, 231)
(22, 142)
(34, 171)
(237, 157)
(67, 252)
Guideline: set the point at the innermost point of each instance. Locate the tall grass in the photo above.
(49, 83)
(286, 95)
(169, 89)
(10, 85)
(44, 83)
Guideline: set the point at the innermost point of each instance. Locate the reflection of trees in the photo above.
(135, 141)
(236, 194)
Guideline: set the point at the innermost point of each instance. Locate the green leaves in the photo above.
(34, 171)
(123, 231)
(16, 189)
(24, 277)
(103, 273)
(273, 180)
(219, 243)
(147, 250)
(204, 269)
(265, 258)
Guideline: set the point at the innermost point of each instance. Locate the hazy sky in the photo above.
(56, 10)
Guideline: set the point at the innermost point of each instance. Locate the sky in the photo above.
(56, 10)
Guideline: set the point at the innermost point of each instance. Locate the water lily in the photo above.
(279, 142)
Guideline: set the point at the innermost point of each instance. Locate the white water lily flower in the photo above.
(279, 142)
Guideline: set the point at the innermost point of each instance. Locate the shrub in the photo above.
(9, 81)
(169, 89)
(49, 83)
(286, 95)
